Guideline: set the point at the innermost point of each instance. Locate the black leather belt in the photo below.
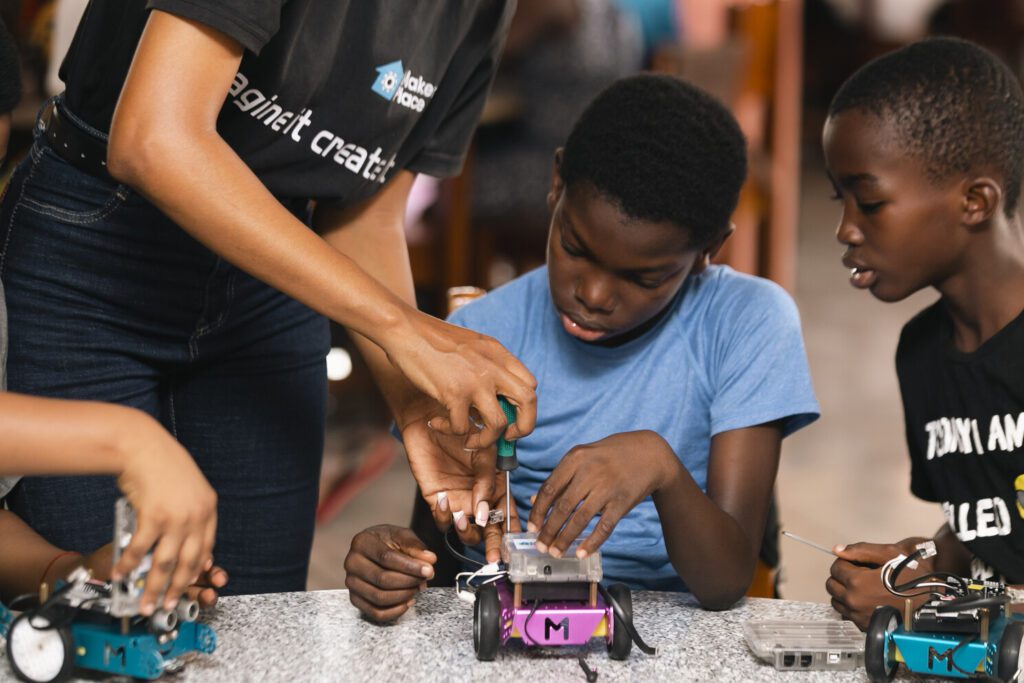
(82, 150)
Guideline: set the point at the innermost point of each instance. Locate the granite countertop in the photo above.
(319, 636)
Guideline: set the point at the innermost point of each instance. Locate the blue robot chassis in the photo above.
(96, 625)
(965, 629)
(46, 643)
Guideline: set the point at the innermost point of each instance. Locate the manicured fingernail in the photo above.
(146, 609)
(840, 548)
(555, 552)
(171, 604)
(209, 565)
(115, 576)
(541, 548)
(442, 501)
(581, 553)
(531, 527)
(423, 586)
(460, 520)
(427, 571)
(482, 512)
(533, 499)
(410, 603)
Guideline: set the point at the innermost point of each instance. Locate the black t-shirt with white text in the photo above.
(964, 416)
(332, 96)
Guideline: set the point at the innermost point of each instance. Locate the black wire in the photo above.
(628, 621)
(974, 675)
(526, 624)
(936, 576)
(591, 674)
(13, 604)
(456, 553)
(968, 602)
(916, 582)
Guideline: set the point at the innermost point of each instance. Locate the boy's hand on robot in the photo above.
(607, 478)
(855, 583)
(203, 587)
(175, 509)
(386, 567)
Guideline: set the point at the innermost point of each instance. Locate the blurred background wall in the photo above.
(776, 63)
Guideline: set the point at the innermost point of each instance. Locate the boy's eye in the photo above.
(646, 284)
(868, 208)
(571, 251)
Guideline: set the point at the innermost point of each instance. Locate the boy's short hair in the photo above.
(955, 106)
(662, 150)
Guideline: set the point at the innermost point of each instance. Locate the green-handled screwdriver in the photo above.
(507, 460)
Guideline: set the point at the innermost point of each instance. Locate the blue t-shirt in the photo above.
(727, 355)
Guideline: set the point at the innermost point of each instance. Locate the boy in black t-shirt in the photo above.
(924, 148)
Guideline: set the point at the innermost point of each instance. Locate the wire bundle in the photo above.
(950, 585)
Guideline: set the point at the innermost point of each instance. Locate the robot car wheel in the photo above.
(39, 652)
(486, 623)
(621, 643)
(879, 651)
(1010, 656)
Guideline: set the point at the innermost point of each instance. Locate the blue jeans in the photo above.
(109, 300)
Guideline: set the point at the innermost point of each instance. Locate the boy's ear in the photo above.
(708, 253)
(556, 179)
(982, 198)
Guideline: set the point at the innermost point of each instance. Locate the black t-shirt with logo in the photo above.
(964, 417)
(332, 96)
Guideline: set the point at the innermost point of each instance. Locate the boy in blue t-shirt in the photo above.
(665, 384)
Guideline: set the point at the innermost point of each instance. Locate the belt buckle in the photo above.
(49, 111)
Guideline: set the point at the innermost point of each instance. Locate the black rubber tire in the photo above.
(67, 666)
(487, 623)
(1008, 654)
(622, 642)
(883, 622)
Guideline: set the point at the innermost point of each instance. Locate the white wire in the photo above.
(469, 581)
(887, 570)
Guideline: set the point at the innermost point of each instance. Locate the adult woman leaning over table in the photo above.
(156, 252)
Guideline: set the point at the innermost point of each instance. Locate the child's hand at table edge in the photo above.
(855, 583)
(386, 567)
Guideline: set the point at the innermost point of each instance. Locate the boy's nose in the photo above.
(848, 233)
(596, 293)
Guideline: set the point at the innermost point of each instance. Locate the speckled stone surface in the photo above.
(319, 636)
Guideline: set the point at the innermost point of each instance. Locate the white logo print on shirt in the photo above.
(395, 84)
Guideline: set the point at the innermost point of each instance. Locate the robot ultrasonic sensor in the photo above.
(964, 630)
(96, 625)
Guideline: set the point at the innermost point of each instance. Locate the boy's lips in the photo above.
(862, 278)
(588, 334)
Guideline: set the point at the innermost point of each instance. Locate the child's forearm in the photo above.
(706, 545)
(953, 556)
(26, 555)
(51, 436)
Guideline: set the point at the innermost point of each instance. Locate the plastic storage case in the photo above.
(527, 565)
(807, 645)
